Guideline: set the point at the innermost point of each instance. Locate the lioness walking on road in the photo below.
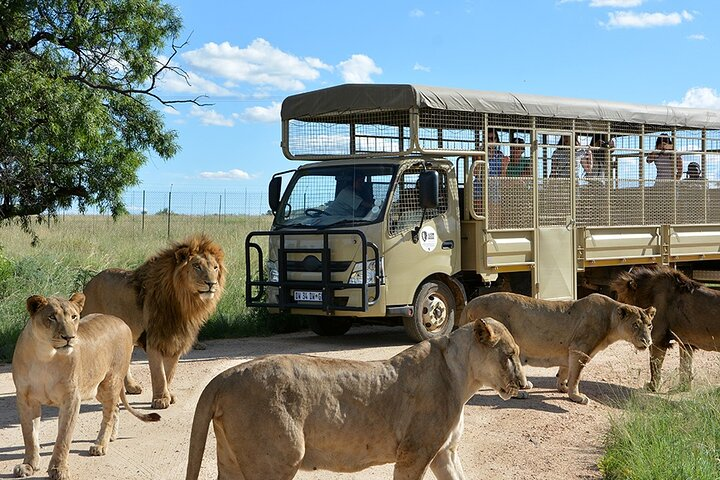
(278, 414)
(564, 333)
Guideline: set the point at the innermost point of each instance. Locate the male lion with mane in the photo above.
(165, 301)
(278, 414)
(564, 333)
(688, 313)
(61, 359)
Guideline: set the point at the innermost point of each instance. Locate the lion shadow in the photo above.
(17, 452)
(8, 404)
(544, 388)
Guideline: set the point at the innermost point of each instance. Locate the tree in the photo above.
(77, 84)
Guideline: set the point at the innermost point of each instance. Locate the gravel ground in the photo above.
(544, 437)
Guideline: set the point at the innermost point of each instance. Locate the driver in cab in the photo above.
(354, 200)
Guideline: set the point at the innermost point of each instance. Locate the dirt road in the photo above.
(544, 437)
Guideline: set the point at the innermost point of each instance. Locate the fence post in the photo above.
(168, 211)
(143, 213)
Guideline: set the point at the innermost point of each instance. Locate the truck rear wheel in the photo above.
(329, 326)
(434, 312)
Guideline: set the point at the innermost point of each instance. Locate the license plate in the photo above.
(301, 296)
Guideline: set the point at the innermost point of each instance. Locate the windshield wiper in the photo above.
(294, 225)
(344, 221)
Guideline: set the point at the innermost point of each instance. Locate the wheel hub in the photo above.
(434, 313)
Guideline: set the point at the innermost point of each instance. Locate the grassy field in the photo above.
(658, 438)
(74, 248)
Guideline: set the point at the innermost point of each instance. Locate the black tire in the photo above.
(434, 312)
(329, 326)
(284, 323)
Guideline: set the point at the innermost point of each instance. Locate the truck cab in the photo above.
(376, 238)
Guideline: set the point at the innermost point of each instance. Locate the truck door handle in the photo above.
(448, 245)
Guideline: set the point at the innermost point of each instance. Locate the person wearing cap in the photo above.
(693, 171)
(518, 165)
(664, 157)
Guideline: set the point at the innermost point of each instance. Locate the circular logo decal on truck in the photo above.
(428, 238)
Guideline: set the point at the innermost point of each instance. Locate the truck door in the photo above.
(557, 181)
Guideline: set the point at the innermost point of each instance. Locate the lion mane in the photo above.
(687, 313)
(177, 312)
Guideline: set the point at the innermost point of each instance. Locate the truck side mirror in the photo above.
(428, 189)
(274, 193)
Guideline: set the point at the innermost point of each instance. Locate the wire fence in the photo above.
(173, 214)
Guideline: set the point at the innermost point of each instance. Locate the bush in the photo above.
(7, 273)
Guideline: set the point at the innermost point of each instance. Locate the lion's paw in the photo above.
(562, 387)
(97, 450)
(528, 385)
(58, 473)
(162, 402)
(651, 387)
(580, 398)
(24, 470)
(134, 389)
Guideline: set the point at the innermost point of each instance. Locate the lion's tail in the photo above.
(145, 417)
(204, 412)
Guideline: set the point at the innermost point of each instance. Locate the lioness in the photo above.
(60, 360)
(564, 333)
(277, 414)
(165, 301)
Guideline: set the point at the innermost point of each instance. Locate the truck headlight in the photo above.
(357, 273)
(271, 269)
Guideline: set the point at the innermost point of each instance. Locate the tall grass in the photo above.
(656, 438)
(74, 248)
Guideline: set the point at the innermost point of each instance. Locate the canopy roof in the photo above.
(343, 99)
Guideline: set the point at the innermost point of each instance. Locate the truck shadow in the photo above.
(359, 337)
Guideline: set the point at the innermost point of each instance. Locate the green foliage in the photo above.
(659, 438)
(7, 272)
(77, 79)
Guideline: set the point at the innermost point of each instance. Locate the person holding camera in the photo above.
(664, 159)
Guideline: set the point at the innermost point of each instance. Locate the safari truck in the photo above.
(411, 200)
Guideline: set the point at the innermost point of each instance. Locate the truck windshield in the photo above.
(337, 195)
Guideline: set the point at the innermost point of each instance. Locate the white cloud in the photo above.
(358, 69)
(616, 3)
(259, 64)
(646, 20)
(417, 13)
(234, 174)
(211, 117)
(262, 114)
(697, 36)
(170, 110)
(317, 63)
(420, 68)
(699, 97)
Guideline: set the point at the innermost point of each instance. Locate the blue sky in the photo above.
(247, 56)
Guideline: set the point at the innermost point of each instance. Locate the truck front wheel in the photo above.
(329, 326)
(434, 312)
